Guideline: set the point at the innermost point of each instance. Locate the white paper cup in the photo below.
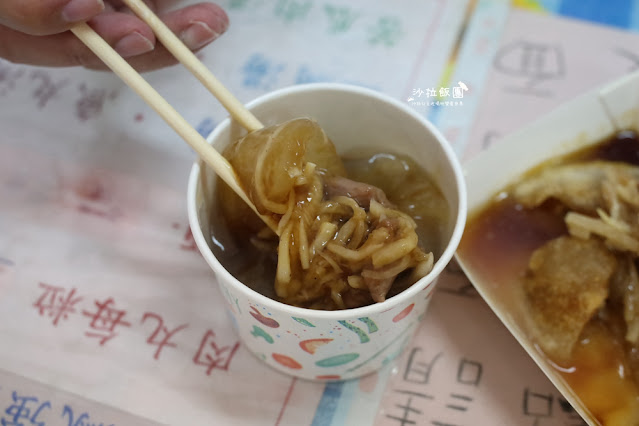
(344, 344)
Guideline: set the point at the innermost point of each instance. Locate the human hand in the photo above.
(36, 31)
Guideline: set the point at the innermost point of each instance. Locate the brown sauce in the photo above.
(497, 244)
(406, 184)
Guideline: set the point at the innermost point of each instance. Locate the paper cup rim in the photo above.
(407, 294)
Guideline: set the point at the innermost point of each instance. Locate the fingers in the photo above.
(120, 6)
(45, 17)
(126, 33)
(196, 25)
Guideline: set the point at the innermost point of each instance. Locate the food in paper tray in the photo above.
(339, 243)
(568, 235)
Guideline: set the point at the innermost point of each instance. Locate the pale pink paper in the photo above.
(92, 198)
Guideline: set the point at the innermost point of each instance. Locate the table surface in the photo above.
(108, 315)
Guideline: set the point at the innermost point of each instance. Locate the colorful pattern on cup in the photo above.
(325, 349)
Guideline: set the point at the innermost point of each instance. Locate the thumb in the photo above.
(44, 17)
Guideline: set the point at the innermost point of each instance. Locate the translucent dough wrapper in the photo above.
(338, 243)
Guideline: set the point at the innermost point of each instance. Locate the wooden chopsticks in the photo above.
(136, 82)
(174, 45)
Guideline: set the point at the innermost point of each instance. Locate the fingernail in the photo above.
(222, 22)
(197, 35)
(133, 44)
(81, 10)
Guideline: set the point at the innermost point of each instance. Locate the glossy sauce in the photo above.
(497, 244)
(405, 183)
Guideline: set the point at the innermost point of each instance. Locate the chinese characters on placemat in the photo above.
(104, 294)
(24, 402)
(463, 368)
(57, 303)
(104, 299)
(534, 71)
(444, 379)
(47, 87)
